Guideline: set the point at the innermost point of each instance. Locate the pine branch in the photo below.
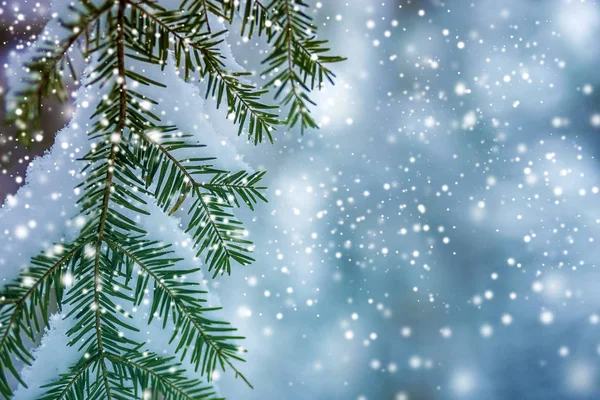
(213, 228)
(305, 42)
(23, 302)
(120, 87)
(156, 376)
(77, 383)
(298, 60)
(132, 157)
(183, 304)
(241, 185)
(289, 53)
(46, 69)
(195, 50)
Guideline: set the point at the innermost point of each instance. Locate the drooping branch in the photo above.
(26, 300)
(242, 99)
(45, 71)
(187, 307)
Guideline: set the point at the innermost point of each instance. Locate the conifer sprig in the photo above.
(115, 265)
(47, 68)
(299, 58)
(24, 301)
(196, 50)
(298, 62)
(209, 342)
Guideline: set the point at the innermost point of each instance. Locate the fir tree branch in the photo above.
(121, 82)
(126, 139)
(214, 229)
(158, 375)
(150, 372)
(24, 300)
(307, 120)
(297, 57)
(299, 43)
(242, 99)
(45, 72)
(185, 308)
(75, 382)
(241, 184)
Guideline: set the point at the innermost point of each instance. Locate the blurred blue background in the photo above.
(436, 238)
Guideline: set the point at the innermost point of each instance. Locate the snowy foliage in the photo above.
(135, 319)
